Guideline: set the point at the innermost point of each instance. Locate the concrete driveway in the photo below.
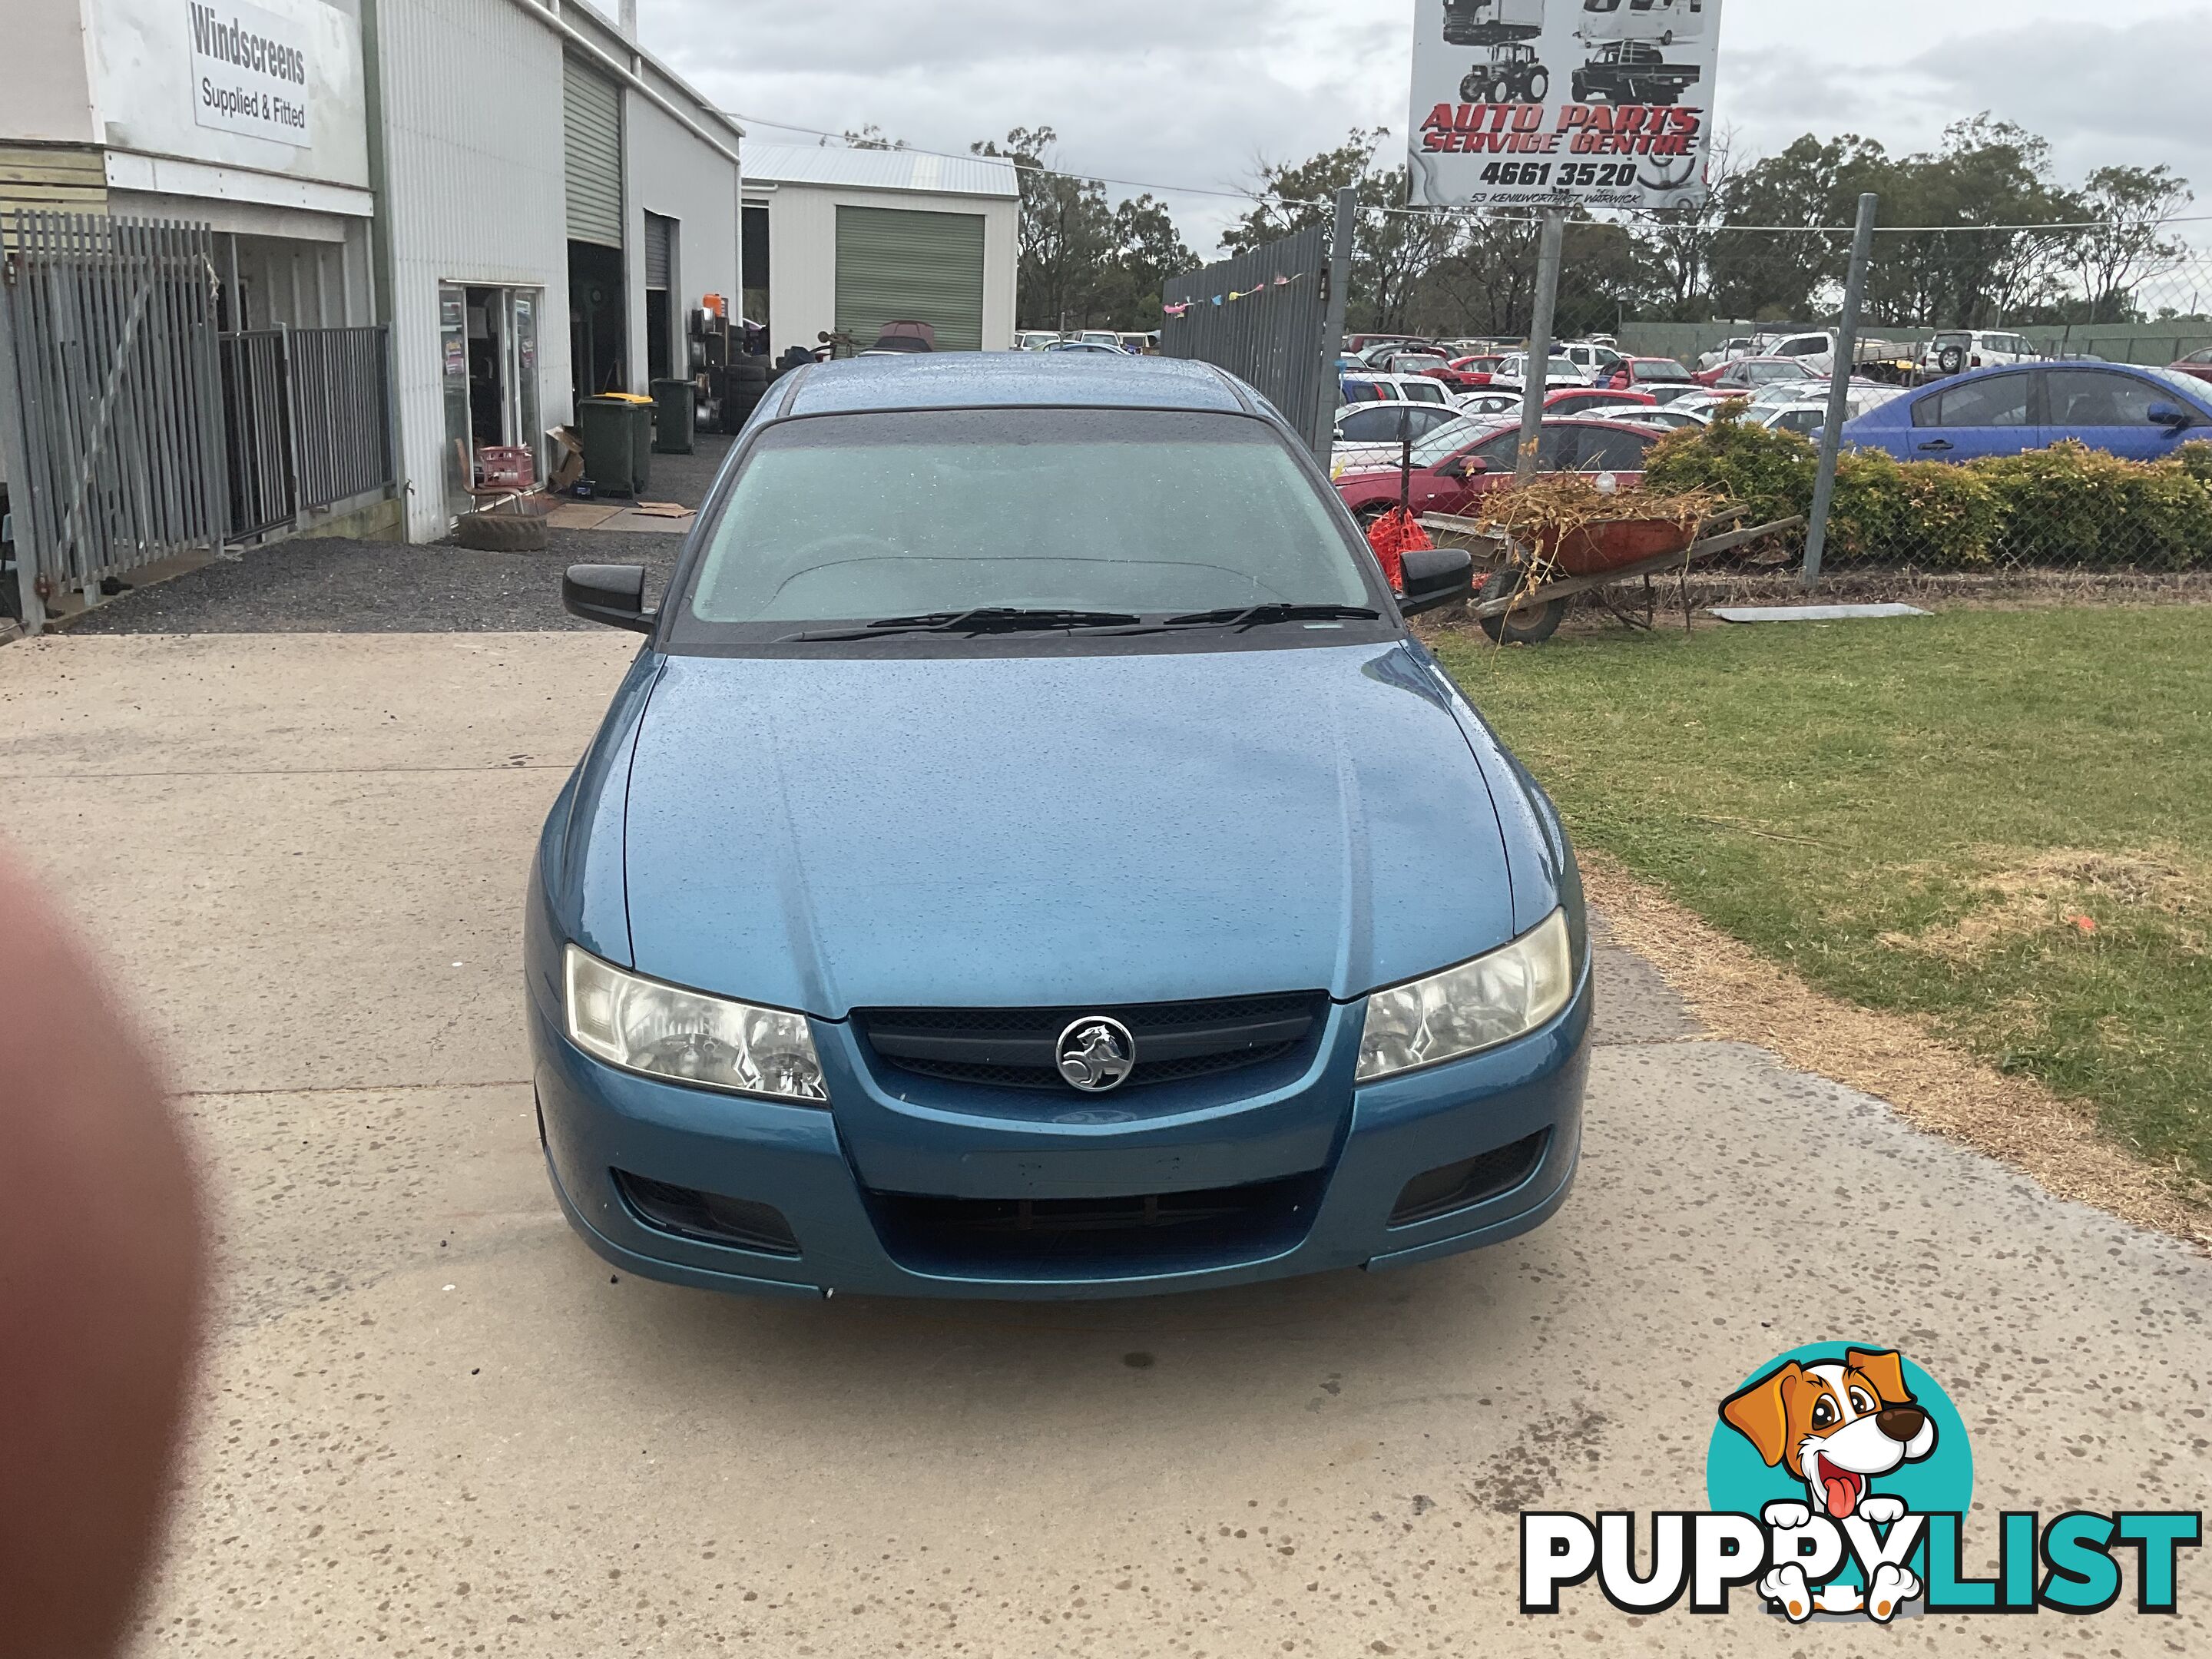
(433, 1423)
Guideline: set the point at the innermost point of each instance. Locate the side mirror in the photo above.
(1468, 466)
(1435, 576)
(2171, 415)
(610, 593)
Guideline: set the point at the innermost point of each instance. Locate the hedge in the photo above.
(2068, 505)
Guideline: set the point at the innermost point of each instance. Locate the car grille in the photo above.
(738, 1222)
(1472, 1181)
(1014, 1048)
(1097, 1237)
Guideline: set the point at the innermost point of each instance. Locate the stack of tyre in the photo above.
(743, 384)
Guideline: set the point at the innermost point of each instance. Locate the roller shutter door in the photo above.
(895, 265)
(659, 251)
(591, 131)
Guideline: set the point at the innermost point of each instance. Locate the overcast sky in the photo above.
(1172, 92)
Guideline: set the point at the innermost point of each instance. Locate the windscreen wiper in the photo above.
(990, 619)
(1265, 615)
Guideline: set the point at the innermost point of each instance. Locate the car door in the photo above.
(1981, 415)
(1500, 450)
(2109, 409)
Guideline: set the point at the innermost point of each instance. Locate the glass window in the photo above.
(1424, 391)
(2000, 400)
(1370, 425)
(1601, 449)
(1659, 369)
(1503, 449)
(856, 517)
(2081, 397)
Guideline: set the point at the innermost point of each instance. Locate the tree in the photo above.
(1067, 235)
(1396, 249)
(870, 137)
(1977, 266)
(1147, 250)
(2132, 246)
(1681, 240)
(1771, 271)
(1083, 263)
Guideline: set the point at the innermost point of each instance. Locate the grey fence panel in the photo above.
(1270, 335)
(341, 413)
(113, 355)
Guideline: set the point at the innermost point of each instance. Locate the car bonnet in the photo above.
(1059, 828)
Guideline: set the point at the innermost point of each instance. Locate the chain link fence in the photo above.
(2028, 407)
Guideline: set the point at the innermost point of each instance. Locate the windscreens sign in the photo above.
(1593, 103)
(249, 73)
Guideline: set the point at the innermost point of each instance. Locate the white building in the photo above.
(556, 201)
(849, 240)
(528, 202)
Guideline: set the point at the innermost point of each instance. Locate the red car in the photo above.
(1431, 364)
(1593, 399)
(1750, 373)
(1479, 370)
(1641, 372)
(1450, 471)
(2196, 363)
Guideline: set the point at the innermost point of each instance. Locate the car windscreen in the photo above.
(1659, 369)
(857, 517)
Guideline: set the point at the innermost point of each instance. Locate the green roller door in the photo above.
(896, 265)
(591, 131)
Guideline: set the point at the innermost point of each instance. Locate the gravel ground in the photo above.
(329, 585)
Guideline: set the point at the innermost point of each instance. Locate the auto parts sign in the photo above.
(1596, 103)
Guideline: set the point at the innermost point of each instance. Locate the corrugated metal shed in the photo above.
(881, 169)
(894, 263)
(592, 130)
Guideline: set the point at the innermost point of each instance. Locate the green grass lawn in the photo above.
(1917, 816)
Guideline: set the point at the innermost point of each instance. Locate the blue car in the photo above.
(1031, 857)
(2139, 414)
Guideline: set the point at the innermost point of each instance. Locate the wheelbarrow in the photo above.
(1525, 596)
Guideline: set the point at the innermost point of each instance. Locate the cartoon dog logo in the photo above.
(1838, 1428)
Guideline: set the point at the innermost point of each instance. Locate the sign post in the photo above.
(1839, 389)
(1536, 377)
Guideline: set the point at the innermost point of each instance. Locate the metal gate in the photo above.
(257, 450)
(109, 380)
(1261, 316)
(307, 422)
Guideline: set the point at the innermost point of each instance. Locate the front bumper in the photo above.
(861, 1184)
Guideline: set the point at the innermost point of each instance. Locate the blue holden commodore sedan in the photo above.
(1031, 858)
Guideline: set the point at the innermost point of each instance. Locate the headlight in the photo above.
(1474, 1006)
(643, 1026)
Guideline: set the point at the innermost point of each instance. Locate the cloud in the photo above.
(2101, 94)
(1178, 92)
(1146, 90)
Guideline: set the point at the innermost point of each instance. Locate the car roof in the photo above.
(1012, 379)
